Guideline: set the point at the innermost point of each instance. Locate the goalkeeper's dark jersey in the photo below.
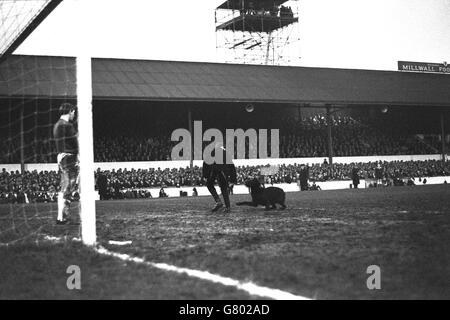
(65, 137)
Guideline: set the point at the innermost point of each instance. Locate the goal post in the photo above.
(86, 149)
(32, 90)
(30, 196)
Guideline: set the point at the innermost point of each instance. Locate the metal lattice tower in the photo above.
(258, 32)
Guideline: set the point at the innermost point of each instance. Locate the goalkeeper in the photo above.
(66, 140)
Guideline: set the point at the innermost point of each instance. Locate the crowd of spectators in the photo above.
(306, 137)
(42, 186)
(32, 186)
(113, 149)
(350, 137)
(37, 150)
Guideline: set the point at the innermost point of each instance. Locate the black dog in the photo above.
(267, 197)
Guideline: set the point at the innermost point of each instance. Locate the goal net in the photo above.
(32, 89)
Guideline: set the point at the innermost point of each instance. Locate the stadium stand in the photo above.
(42, 186)
(298, 138)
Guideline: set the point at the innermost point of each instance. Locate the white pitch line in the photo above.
(249, 287)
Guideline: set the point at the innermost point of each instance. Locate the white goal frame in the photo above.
(86, 149)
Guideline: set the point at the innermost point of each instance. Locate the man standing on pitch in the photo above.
(225, 173)
(355, 177)
(66, 140)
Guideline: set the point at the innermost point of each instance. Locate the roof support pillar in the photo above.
(192, 137)
(330, 140)
(443, 150)
(22, 142)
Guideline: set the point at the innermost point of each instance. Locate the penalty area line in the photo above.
(248, 287)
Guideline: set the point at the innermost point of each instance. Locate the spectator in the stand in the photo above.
(314, 187)
(162, 193)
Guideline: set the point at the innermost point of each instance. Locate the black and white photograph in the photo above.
(224, 154)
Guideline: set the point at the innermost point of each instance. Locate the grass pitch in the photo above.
(319, 247)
